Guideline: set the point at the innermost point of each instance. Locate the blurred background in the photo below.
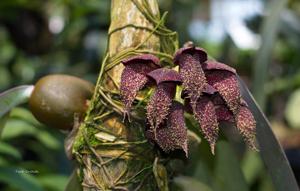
(260, 38)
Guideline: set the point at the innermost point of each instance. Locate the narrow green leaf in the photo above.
(270, 150)
(17, 127)
(16, 178)
(13, 97)
(229, 176)
(24, 114)
(9, 150)
(3, 121)
(48, 139)
(252, 166)
(190, 184)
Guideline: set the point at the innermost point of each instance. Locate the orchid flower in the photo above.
(210, 91)
(173, 134)
(134, 77)
(161, 101)
(224, 103)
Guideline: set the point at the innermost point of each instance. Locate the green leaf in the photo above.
(252, 166)
(229, 176)
(3, 121)
(24, 114)
(17, 127)
(9, 150)
(15, 177)
(22, 122)
(54, 182)
(190, 184)
(270, 150)
(293, 109)
(48, 139)
(19, 122)
(13, 97)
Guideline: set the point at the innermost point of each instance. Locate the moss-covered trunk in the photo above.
(112, 154)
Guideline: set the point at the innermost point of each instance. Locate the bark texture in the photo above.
(112, 154)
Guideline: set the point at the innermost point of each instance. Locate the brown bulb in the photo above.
(57, 98)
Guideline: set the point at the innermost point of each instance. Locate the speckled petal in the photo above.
(207, 118)
(246, 124)
(132, 80)
(227, 85)
(159, 105)
(193, 77)
(134, 77)
(189, 60)
(174, 135)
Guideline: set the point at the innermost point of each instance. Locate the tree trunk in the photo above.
(112, 154)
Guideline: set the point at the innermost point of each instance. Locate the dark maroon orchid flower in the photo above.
(213, 93)
(173, 133)
(134, 77)
(223, 79)
(160, 102)
(189, 60)
(210, 89)
(165, 116)
(206, 114)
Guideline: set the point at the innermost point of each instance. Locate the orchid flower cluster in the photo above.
(210, 92)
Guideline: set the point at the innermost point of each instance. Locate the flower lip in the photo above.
(165, 75)
(191, 50)
(144, 58)
(214, 65)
